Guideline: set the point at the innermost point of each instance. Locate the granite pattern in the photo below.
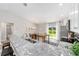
(23, 47)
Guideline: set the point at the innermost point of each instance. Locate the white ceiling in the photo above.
(39, 12)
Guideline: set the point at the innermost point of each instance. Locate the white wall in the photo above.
(0, 35)
(41, 28)
(58, 35)
(20, 24)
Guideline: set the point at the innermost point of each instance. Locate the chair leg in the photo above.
(11, 54)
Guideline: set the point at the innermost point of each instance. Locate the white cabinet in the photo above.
(74, 24)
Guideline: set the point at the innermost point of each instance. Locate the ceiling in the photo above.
(39, 12)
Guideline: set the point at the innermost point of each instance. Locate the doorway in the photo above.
(6, 30)
(52, 31)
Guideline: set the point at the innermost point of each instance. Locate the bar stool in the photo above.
(7, 50)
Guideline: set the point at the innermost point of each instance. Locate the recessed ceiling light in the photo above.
(71, 13)
(75, 12)
(60, 4)
(25, 4)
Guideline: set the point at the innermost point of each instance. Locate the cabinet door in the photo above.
(75, 19)
(74, 23)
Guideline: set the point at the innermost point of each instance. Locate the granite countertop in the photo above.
(26, 48)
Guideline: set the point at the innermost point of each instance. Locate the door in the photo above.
(52, 31)
(9, 30)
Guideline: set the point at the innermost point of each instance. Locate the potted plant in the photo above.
(75, 48)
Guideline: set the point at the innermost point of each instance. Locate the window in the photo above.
(52, 30)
